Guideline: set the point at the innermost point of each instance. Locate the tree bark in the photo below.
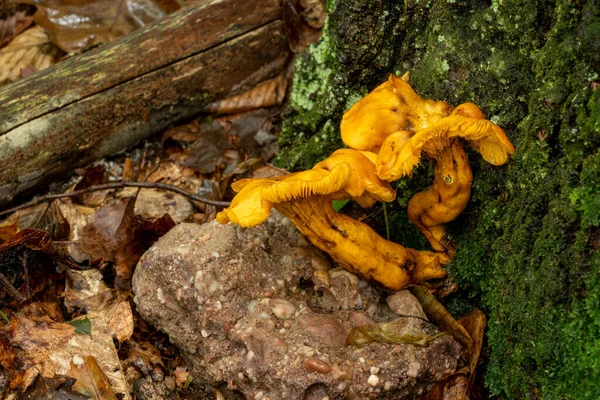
(103, 101)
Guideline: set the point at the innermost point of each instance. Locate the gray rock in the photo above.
(242, 306)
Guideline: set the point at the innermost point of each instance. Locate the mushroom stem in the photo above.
(359, 248)
(446, 199)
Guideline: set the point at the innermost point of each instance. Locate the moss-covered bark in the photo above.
(528, 241)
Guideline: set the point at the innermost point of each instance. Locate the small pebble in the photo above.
(373, 380)
(78, 360)
(259, 396)
(306, 351)
(362, 360)
(387, 386)
(263, 316)
(374, 370)
(316, 365)
(282, 308)
(204, 333)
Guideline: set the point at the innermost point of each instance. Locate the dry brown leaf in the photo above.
(8, 229)
(184, 133)
(107, 309)
(144, 356)
(128, 170)
(77, 216)
(451, 388)
(266, 94)
(74, 25)
(303, 22)
(109, 227)
(30, 49)
(440, 316)
(13, 25)
(93, 176)
(47, 348)
(474, 323)
(91, 380)
(34, 239)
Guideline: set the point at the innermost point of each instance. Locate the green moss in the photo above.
(329, 79)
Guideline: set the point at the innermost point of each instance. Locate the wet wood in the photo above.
(103, 101)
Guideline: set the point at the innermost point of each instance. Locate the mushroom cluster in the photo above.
(387, 132)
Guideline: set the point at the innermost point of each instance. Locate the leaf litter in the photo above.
(80, 326)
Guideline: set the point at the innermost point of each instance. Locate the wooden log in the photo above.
(103, 101)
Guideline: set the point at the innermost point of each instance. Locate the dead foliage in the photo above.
(67, 326)
(74, 25)
(29, 52)
(13, 25)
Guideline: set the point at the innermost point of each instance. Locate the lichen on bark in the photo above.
(528, 241)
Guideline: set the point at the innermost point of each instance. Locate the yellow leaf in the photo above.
(31, 51)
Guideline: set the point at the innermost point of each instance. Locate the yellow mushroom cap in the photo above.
(466, 121)
(491, 142)
(316, 181)
(364, 185)
(248, 208)
(390, 107)
(367, 123)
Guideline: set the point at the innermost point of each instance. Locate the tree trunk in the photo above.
(103, 101)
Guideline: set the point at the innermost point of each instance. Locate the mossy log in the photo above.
(527, 244)
(105, 100)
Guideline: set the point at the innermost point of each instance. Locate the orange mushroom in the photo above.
(390, 107)
(466, 121)
(446, 198)
(305, 198)
(451, 189)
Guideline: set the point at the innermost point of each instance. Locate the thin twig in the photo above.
(4, 317)
(118, 185)
(387, 223)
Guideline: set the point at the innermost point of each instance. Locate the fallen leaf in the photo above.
(109, 227)
(440, 316)
(82, 326)
(121, 323)
(451, 388)
(184, 133)
(93, 176)
(91, 380)
(303, 22)
(9, 229)
(76, 216)
(205, 155)
(474, 323)
(13, 25)
(144, 356)
(128, 170)
(397, 331)
(57, 388)
(154, 203)
(31, 49)
(46, 347)
(42, 216)
(34, 239)
(266, 94)
(74, 25)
